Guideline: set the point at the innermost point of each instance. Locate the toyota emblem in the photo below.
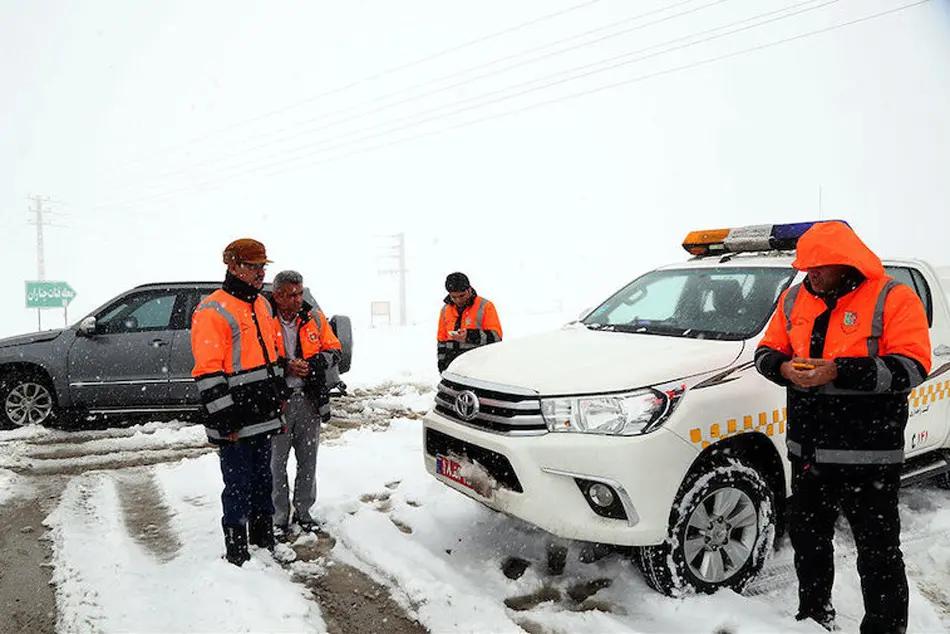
(466, 405)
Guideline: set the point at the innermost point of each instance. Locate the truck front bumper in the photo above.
(644, 471)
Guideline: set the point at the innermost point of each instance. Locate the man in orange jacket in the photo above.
(237, 350)
(466, 322)
(848, 343)
(311, 349)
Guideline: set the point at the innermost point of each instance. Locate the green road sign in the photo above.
(48, 294)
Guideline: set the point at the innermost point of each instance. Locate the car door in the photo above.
(929, 407)
(124, 364)
(182, 390)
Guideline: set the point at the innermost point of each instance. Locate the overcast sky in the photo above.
(551, 149)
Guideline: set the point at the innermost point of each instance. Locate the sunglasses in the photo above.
(254, 267)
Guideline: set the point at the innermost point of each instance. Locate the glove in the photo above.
(319, 362)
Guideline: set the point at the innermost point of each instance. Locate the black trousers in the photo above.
(867, 495)
(245, 468)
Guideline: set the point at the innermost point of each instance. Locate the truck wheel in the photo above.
(26, 399)
(721, 532)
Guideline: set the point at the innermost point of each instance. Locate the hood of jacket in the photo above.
(836, 243)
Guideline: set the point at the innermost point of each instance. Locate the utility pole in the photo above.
(37, 210)
(398, 253)
(40, 219)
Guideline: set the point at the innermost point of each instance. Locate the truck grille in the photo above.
(494, 410)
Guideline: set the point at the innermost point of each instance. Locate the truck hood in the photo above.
(33, 337)
(576, 360)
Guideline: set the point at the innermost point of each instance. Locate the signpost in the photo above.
(47, 294)
(379, 309)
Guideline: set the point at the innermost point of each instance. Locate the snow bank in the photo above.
(11, 486)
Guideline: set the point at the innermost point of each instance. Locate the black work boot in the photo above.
(260, 532)
(235, 543)
(824, 617)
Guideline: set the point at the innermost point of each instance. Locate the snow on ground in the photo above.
(441, 553)
(11, 486)
(449, 566)
(111, 576)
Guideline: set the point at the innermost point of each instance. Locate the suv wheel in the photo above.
(25, 399)
(721, 531)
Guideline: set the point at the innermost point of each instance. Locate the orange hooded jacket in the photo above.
(878, 318)
(878, 336)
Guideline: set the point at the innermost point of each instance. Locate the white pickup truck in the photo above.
(646, 424)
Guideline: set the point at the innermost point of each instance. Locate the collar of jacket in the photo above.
(303, 314)
(448, 300)
(242, 290)
(848, 284)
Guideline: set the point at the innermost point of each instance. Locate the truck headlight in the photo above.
(615, 414)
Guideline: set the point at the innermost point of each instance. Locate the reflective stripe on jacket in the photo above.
(236, 345)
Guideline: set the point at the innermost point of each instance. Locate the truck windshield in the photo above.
(704, 303)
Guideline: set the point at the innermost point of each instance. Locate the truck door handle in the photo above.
(942, 350)
(158, 343)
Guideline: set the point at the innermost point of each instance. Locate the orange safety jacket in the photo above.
(320, 348)
(875, 330)
(237, 348)
(478, 319)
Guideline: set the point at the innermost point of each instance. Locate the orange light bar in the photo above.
(705, 241)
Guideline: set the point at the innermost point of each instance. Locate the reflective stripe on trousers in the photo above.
(249, 430)
(850, 456)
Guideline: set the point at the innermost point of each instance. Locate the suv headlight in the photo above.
(627, 414)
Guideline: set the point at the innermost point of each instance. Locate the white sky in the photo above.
(145, 120)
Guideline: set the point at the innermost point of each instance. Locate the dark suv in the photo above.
(130, 357)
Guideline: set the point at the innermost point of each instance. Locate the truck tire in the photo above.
(721, 533)
(26, 398)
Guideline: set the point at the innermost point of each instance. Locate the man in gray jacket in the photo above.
(311, 349)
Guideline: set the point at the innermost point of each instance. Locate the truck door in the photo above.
(929, 403)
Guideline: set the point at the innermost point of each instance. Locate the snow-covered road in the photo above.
(136, 545)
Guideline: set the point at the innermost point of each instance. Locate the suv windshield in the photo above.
(715, 303)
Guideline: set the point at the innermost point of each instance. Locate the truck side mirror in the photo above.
(87, 327)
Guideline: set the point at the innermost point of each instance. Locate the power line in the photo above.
(419, 118)
(423, 118)
(564, 98)
(378, 75)
(296, 132)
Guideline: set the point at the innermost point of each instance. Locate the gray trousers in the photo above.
(303, 434)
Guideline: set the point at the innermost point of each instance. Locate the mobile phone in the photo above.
(803, 366)
(454, 333)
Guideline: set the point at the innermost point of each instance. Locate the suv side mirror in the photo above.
(87, 327)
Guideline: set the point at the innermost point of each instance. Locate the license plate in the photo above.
(451, 469)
